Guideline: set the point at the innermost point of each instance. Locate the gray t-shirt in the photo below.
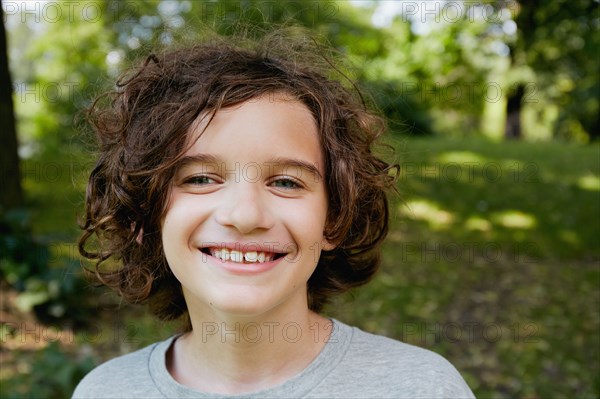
(352, 364)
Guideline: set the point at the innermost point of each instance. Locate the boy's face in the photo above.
(244, 224)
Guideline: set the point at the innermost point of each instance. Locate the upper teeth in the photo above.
(239, 256)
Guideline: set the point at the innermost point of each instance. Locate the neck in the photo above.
(232, 354)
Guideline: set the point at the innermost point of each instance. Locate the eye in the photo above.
(286, 183)
(199, 180)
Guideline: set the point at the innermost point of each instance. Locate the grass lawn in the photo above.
(493, 260)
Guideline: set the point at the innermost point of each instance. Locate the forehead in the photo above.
(274, 125)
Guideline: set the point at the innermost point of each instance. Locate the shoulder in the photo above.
(390, 351)
(124, 376)
(398, 369)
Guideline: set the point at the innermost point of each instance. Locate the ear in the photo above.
(326, 245)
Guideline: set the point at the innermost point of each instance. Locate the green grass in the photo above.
(492, 260)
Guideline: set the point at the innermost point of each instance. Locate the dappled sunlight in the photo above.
(427, 211)
(589, 182)
(475, 223)
(463, 157)
(490, 259)
(515, 219)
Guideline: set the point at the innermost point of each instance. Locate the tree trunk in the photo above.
(526, 26)
(11, 193)
(512, 129)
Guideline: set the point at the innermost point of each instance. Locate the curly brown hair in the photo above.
(143, 130)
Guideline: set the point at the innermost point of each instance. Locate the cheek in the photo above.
(306, 224)
(171, 241)
(176, 234)
(177, 224)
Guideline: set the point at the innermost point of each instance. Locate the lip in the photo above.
(241, 268)
(246, 247)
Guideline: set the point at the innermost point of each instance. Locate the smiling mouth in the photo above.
(232, 255)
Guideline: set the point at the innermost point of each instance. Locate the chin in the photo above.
(244, 304)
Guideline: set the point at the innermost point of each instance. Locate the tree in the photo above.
(558, 40)
(11, 193)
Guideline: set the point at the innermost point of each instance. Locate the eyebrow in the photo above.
(277, 161)
(298, 163)
(198, 158)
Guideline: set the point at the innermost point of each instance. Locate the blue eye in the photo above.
(200, 180)
(286, 183)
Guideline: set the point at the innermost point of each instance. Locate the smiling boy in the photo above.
(238, 187)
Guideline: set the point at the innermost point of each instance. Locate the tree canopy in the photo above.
(432, 67)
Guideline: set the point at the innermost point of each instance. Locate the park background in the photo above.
(493, 257)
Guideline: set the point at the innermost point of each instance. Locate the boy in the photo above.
(237, 186)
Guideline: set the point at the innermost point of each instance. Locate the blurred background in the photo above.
(493, 258)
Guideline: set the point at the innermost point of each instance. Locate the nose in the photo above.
(245, 208)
